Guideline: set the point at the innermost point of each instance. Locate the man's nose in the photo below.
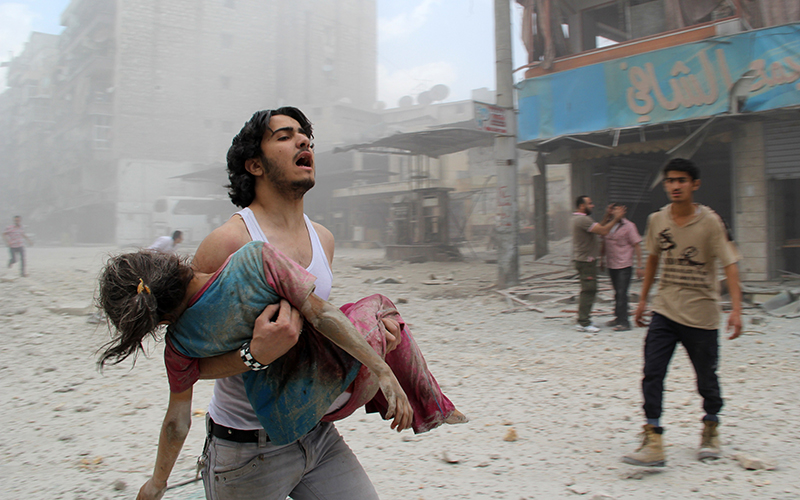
(303, 141)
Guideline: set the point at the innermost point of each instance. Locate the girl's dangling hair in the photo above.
(137, 291)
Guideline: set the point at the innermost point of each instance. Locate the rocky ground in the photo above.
(552, 410)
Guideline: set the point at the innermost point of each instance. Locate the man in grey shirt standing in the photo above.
(586, 248)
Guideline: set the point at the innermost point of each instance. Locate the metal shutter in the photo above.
(782, 145)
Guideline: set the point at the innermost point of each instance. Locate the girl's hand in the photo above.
(149, 491)
(398, 407)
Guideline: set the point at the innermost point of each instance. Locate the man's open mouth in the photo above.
(303, 159)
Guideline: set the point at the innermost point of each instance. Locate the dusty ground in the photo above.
(572, 400)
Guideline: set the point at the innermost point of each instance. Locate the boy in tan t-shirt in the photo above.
(687, 240)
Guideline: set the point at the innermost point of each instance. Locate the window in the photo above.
(102, 131)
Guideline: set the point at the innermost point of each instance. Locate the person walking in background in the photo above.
(15, 237)
(586, 248)
(616, 253)
(167, 244)
(688, 239)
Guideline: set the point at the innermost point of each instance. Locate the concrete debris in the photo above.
(72, 309)
(751, 462)
(579, 489)
(511, 435)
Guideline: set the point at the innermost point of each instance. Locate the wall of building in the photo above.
(750, 221)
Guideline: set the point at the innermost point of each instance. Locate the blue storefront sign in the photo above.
(678, 83)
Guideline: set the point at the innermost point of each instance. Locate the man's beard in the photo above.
(290, 189)
(587, 211)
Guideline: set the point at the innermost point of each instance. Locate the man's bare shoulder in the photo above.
(220, 244)
(326, 239)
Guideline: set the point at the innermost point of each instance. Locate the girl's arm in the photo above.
(333, 324)
(174, 430)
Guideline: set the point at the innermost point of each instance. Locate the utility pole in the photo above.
(505, 153)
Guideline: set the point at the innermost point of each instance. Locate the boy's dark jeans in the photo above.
(703, 349)
(621, 279)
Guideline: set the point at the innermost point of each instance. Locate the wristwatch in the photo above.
(249, 360)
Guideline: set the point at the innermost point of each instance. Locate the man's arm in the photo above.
(617, 213)
(735, 291)
(649, 277)
(637, 251)
(174, 430)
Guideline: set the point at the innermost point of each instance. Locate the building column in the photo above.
(750, 201)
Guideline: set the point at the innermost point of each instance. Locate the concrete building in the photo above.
(388, 189)
(617, 89)
(146, 93)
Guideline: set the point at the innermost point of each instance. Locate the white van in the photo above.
(194, 216)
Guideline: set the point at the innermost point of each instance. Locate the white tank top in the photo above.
(229, 405)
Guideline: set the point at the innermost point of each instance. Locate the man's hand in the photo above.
(150, 491)
(639, 273)
(619, 211)
(392, 334)
(638, 316)
(273, 338)
(735, 324)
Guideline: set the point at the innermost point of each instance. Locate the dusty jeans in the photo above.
(318, 466)
(13, 252)
(703, 350)
(621, 279)
(587, 272)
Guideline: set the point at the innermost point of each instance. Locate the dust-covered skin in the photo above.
(333, 324)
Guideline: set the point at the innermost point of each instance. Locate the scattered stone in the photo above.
(197, 412)
(446, 458)
(120, 485)
(401, 300)
(511, 435)
(72, 309)
(142, 405)
(602, 496)
(751, 462)
(579, 489)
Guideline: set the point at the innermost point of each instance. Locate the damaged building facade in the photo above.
(617, 89)
(104, 124)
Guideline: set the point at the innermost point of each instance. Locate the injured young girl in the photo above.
(339, 363)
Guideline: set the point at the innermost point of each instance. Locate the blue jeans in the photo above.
(318, 466)
(14, 251)
(659, 345)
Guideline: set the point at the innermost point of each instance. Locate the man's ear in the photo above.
(696, 185)
(254, 166)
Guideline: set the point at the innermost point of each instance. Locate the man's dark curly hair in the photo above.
(247, 145)
(683, 165)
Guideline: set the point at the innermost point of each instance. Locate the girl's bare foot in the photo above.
(456, 418)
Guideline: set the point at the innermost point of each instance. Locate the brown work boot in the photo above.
(651, 452)
(709, 446)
